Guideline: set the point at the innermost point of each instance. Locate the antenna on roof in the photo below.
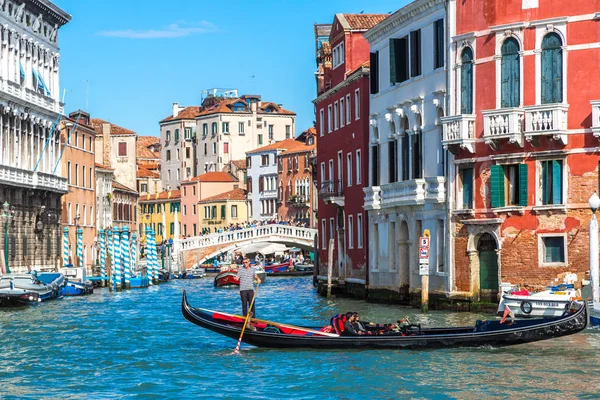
(362, 12)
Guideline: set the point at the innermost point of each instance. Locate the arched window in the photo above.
(510, 74)
(552, 69)
(466, 82)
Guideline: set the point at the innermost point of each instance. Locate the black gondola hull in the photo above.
(488, 333)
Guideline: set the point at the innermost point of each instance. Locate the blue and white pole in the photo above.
(126, 256)
(154, 258)
(111, 254)
(65, 246)
(102, 255)
(133, 253)
(149, 264)
(117, 252)
(80, 262)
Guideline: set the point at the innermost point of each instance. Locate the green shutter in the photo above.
(551, 69)
(557, 75)
(523, 185)
(545, 185)
(392, 61)
(510, 74)
(172, 228)
(466, 83)
(557, 182)
(467, 188)
(223, 211)
(497, 186)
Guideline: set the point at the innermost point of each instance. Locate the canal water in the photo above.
(136, 344)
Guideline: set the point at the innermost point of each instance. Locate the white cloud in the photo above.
(172, 31)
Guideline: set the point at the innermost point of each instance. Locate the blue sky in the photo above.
(140, 57)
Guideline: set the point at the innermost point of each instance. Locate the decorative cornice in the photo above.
(404, 15)
(509, 27)
(362, 71)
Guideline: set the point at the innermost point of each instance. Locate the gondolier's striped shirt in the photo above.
(246, 276)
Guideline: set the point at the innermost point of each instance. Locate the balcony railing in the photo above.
(547, 120)
(29, 95)
(298, 200)
(596, 118)
(332, 192)
(415, 191)
(503, 123)
(459, 131)
(268, 194)
(29, 179)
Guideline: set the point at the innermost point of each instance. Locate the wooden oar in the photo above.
(237, 348)
(291, 327)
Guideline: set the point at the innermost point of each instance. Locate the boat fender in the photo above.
(526, 307)
(272, 329)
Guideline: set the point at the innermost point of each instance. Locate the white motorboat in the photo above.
(552, 302)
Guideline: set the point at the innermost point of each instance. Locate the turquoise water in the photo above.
(136, 344)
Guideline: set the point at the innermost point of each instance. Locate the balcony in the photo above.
(412, 192)
(298, 201)
(332, 192)
(31, 96)
(268, 194)
(546, 120)
(596, 118)
(459, 132)
(503, 123)
(29, 179)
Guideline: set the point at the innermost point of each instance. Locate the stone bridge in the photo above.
(201, 248)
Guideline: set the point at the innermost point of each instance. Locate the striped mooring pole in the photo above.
(117, 253)
(125, 250)
(133, 253)
(149, 265)
(102, 256)
(66, 246)
(80, 262)
(111, 254)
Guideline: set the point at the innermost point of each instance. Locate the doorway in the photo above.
(488, 265)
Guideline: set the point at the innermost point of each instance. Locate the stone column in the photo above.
(2, 145)
(474, 267)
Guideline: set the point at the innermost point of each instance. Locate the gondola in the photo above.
(484, 333)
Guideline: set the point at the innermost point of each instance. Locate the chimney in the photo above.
(169, 194)
(176, 109)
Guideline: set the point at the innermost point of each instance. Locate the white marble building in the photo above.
(407, 163)
(261, 165)
(30, 171)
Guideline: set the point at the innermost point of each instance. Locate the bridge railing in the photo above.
(292, 232)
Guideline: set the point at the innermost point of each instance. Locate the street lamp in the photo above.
(594, 203)
(7, 214)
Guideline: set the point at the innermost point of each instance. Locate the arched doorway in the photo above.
(404, 258)
(488, 264)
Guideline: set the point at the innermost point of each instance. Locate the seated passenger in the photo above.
(349, 328)
(361, 326)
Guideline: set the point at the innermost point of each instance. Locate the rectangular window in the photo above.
(184, 209)
(348, 109)
(335, 116)
(342, 111)
(466, 187)
(323, 178)
(331, 228)
(223, 211)
(260, 139)
(234, 211)
(508, 185)
(204, 129)
(374, 72)
(323, 234)
(172, 228)
(329, 119)
(399, 60)
(215, 148)
(215, 128)
(168, 136)
(76, 174)
(349, 168)
(350, 231)
(375, 165)
(288, 131)
(358, 168)
(438, 43)
(122, 149)
(187, 152)
(439, 246)
(193, 209)
(206, 212)
(417, 155)
(144, 188)
(552, 182)
(225, 128)
(168, 155)
(188, 133)
(270, 132)
(392, 161)
(176, 135)
(321, 122)
(415, 53)
(359, 231)
(553, 250)
(69, 172)
(213, 212)
(225, 148)
(241, 128)
(357, 104)
(195, 230)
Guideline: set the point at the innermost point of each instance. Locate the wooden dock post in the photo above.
(330, 266)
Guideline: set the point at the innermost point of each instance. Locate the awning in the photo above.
(263, 248)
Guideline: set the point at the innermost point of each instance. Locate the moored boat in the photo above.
(275, 268)
(227, 277)
(483, 333)
(48, 285)
(195, 273)
(74, 288)
(12, 297)
(549, 303)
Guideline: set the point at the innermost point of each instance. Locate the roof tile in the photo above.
(235, 194)
(364, 21)
(216, 176)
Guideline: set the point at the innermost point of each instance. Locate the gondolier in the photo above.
(247, 275)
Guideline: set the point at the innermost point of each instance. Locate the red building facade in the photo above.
(342, 108)
(523, 125)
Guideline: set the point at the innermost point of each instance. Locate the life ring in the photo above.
(526, 307)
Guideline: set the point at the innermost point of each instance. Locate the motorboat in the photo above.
(494, 333)
(77, 283)
(227, 275)
(549, 303)
(48, 285)
(12, 297)
(195, 273)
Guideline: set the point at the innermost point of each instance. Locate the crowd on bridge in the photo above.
(298, 222)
